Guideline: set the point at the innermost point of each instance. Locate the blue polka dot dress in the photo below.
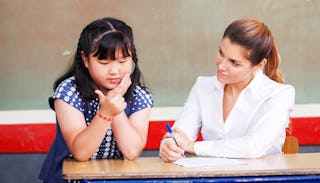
(67, 91)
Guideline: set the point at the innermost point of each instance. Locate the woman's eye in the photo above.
(220, 53)
(235, 63)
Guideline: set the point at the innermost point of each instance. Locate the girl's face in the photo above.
(107, 74)
(233, 67)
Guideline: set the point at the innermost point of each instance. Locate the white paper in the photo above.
(207, 161)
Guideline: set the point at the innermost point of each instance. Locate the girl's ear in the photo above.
(84, 59)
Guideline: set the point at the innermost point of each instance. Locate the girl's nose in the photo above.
(113, 69)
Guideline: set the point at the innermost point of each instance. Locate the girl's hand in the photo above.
(123, 86)
(114, 103)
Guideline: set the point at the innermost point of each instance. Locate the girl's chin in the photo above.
(111, 86)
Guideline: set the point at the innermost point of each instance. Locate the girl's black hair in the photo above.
(102, 37)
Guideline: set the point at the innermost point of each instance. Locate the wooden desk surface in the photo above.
(153, 167)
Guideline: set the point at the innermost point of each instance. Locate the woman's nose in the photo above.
(221, 64)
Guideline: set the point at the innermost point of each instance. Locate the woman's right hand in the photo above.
(169, 151)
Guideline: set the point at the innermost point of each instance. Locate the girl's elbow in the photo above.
(131, 158)
(81, 157)
(132, 155)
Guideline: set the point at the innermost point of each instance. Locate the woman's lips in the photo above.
(221, 74)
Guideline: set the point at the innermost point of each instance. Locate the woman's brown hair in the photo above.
(256, 37)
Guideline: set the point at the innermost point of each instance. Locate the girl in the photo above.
(102, 109)
(243, 111)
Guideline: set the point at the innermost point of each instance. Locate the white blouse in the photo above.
(254, 127)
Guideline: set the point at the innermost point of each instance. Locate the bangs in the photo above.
(110, 44)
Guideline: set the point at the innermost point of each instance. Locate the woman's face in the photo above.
(107, 74)
(233, 67)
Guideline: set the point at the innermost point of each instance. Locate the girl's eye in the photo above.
(123, 61)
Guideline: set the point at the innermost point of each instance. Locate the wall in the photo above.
(176, 41)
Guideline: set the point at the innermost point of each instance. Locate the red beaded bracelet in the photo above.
(108, 119)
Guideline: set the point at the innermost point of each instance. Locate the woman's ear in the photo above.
(260, 65)
(84, 59)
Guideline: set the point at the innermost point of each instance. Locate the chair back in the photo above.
(291, 144)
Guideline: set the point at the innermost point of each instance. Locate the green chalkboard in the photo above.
(176, 42)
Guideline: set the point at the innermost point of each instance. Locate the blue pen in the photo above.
(171, 133)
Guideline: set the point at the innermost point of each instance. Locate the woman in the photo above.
(243, 111)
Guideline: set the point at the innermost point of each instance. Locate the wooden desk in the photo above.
(281, 168)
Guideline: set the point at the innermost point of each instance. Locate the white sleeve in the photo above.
(266, 132)
(189, 120)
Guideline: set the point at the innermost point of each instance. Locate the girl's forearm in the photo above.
(130, 138)
(88, 141)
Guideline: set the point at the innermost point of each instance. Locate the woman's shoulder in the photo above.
(206, 81)
(275, 86)
(277, 91)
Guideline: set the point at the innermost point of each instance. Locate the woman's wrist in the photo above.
(191, 147)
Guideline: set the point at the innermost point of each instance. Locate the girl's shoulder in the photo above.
(67, 91)
(140, 93)
(142, 98)
(67, 83)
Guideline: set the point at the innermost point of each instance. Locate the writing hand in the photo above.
(169, 151)
(183, 140)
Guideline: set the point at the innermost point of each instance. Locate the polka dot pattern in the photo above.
(67, 91)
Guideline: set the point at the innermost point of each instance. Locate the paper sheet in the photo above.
(207, 161)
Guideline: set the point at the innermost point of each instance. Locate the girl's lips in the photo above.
(114, 80)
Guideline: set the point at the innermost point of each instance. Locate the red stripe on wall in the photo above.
(37, 138)
(307, 130)
(25, 138)
(155, 133)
